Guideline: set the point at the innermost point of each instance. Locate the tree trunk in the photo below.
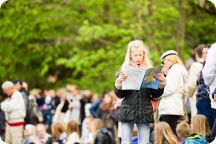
(181, 28)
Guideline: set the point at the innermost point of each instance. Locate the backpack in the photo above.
(195, 139)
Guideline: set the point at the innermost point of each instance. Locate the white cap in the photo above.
(7, 85)
(169, 52)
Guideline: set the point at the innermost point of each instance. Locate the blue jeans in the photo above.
(127, 129)
(204, 108)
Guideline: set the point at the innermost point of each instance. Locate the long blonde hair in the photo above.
(200, 125)
(163, 133)
(136, 44)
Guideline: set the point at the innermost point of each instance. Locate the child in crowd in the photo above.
(164, 135)
(58, 133)
(200, 125)
(136, 107)
(185, 134)
(73, 132)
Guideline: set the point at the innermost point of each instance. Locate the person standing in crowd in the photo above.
(2, 121)
(75, 104)
(171, 106)
(203, 101)
(14, 109)
(193, 78)
(209, 76)
(18, 85)
(62, 108)
(136, 107)
(104, 112)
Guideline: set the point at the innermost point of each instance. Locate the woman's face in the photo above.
(107, 99)
(167, 62)
(25, 133)
(204, 53)
(137, 55)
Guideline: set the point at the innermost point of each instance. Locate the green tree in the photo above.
(85, 41)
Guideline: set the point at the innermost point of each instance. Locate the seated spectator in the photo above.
(95, 125)
(164, 134)
(42, 134)
(195, 139)
(183, 130)
(85, 135)
(58, 133)
(72, 132)
(29, 134)
(200, 125)
(104, 136)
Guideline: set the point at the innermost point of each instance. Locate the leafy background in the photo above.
(84, 42)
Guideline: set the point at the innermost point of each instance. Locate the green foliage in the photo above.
(85, 41)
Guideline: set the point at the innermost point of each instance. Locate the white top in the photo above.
(209, 72)
(194, 75)
(14, 108)
(171, 102)
(73, 137)
(75, 111)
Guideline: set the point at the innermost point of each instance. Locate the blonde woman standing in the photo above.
(171, 106)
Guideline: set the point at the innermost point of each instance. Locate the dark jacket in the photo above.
(202, 93)
(136, 105)
(104, 136)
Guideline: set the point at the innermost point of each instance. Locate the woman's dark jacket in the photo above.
(136, 105)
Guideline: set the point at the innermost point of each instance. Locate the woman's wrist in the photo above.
(162, 85)
(118, 84)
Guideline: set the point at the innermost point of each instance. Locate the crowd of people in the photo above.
(186, 110)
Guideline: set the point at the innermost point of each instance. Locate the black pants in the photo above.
(214, 126)
(172, 120)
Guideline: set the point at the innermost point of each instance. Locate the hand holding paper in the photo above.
(140, 78)
(122, 76)
(152, 78)
(134, 78)
(160, 77)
